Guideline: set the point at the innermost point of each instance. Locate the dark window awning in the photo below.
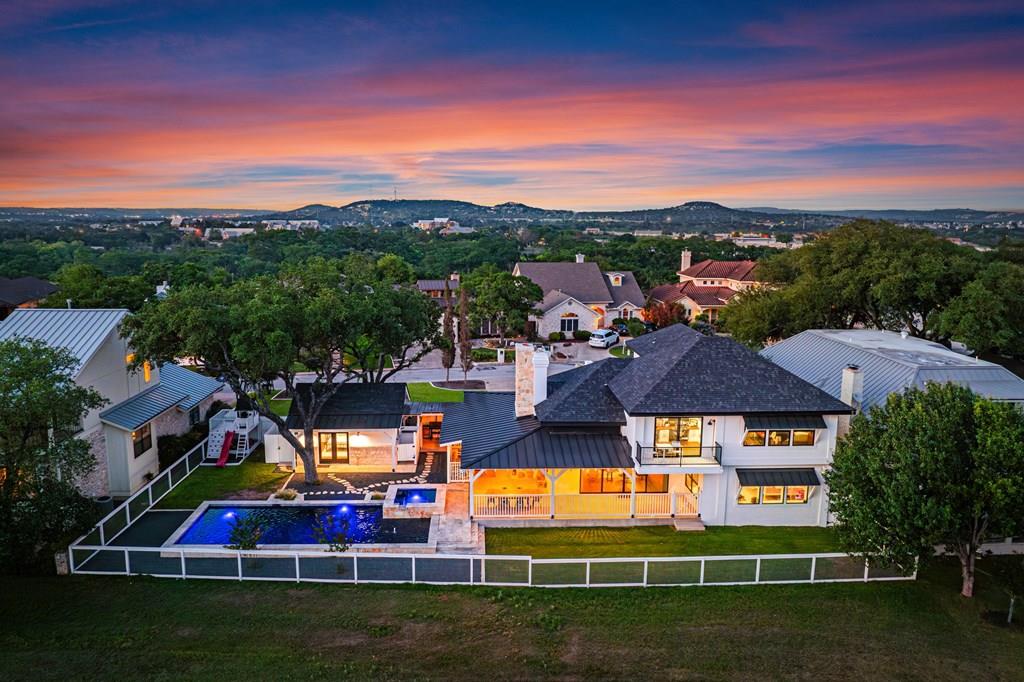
(778, 477)
(757, 422)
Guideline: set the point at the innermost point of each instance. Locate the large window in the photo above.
(570, 322)
(614, 481)
(677, 432)
(142, 439)
(779, 437)
(773, 494)
(333, 447)
(755, 438)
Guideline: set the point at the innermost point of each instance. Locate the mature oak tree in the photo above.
(938, 467)
(502, 298)
(313, 324)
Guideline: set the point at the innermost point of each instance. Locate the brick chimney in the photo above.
(580, 258)
(851, 392)
(685, 259)
(531, 378)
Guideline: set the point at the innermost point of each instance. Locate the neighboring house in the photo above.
(292, 225)
(229, 232)
(364, 428)
(435, 224)
(456, 229)
(579, 296)
(705, 288)
(883, 362)
(23, 292)
(695, 427)
(142, 404)
(434, 288)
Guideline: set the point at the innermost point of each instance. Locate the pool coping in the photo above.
(429, 546)
(415, 510)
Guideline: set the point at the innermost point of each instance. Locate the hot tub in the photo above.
(413, 500)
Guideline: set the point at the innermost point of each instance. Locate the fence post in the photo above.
(414, 570)
(471, 570)
(701, 571)
(672, 504)
(757, 570)
(149, 491)
(239, 555)
(814, 567)
(127, 567)
(183, 573)
(588, 572)
(483, 569)
(355, 569)
(645, 572)
(866, 566)
(297, 579)
(102, 534)
(529, 572)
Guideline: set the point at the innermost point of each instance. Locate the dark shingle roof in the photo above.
(484, 422)
(354, 406)
(14, 292)
(581, 396)
(582, 281)
(627, 292)
(553, 449)
(680, 371)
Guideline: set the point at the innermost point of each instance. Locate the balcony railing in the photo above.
(679, 455)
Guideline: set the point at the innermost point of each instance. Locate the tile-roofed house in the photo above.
(142, 404)
(706, 287)
(889, 363)
(578, 295)
(22, 292)
(660, 435)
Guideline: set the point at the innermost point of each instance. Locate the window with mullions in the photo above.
(773, 494)
(142, 439)
(614, 481)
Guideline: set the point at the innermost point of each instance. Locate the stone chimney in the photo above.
(851, 392)
(454, 277)
(531, 378)
(685, 259)
(580, 258)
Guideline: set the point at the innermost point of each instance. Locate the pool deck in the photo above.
(340, 485)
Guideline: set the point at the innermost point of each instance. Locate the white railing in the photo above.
(456, 474)
(514, 506)
(595, 506)
(469, 569)
(114, 523)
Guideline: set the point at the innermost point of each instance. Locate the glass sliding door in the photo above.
(333, 448)
(677, 436)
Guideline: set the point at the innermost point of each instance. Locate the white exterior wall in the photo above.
(551, 321)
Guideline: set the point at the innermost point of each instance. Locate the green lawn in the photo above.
(280, 407)
(618, 351)
(161, 629)
(644, 541)
(425, 392)
(253, 477)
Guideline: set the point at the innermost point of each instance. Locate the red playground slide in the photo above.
(225, 449)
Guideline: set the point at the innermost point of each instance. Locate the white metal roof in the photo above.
(81, 331)
(890, 363)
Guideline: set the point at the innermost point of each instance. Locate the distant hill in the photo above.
(959, 215)
(123, 213)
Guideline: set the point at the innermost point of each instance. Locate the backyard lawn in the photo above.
(253, 478)
(281, 406)
(641, 541)
(425, 392)
(160, 629)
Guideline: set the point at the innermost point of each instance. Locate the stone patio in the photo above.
(344, 485)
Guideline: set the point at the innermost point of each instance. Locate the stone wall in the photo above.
(370, 456)
(96, 482)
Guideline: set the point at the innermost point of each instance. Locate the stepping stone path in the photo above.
(419, 477)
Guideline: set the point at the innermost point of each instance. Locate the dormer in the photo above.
(615, 278)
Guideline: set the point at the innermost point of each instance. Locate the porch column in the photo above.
(551, 483)
(473, 475)
(394, 453)
(632, 491)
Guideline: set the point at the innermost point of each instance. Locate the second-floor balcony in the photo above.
(679, 455)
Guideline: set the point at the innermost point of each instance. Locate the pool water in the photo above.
(295, 524)
(406, 496)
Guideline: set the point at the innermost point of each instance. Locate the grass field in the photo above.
(425, 392)
(281, 406)
(161, 629)
(619, 351)
(210, 483)
(549, 543)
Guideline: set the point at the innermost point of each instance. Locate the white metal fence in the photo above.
(466, 569)
(114, 523)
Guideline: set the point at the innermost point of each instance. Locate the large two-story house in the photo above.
(706, 287)
(579, 295)
(694, 427)
(142, 404)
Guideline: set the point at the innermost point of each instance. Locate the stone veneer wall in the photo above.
(370, 456)
(96, 482)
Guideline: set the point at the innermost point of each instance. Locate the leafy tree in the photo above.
(448, 333)
(756, 316)
(41, 407)
(935, 467)
(465, 346)
(664, 314)
(988, 315)
(503, 298)
(311, 318)
(88, 287)
(394, 268)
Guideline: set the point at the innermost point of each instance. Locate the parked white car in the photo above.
(604, 338)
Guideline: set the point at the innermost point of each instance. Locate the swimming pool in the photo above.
(294, 524)
(407, 496)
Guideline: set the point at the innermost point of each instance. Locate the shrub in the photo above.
(170, 448)
(581, 335)
(287, 494)
(556, 336)
(619, 320)
(636, 327)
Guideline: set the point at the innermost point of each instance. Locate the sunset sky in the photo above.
(589, 105)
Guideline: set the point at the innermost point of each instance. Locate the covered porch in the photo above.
(608, 493)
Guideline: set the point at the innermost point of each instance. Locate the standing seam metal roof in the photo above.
(82, 331)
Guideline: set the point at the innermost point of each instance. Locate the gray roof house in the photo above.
(691, 415)
(889, 363)
(579, 295)
(142, 404)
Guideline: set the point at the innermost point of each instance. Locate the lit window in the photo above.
(778, 438)
(803, 438)
(147, 371)
(749, 494)
(129, 359)
(615, 481)
(754, 438)
(796, 494)
(772, 494)
(142, 440)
